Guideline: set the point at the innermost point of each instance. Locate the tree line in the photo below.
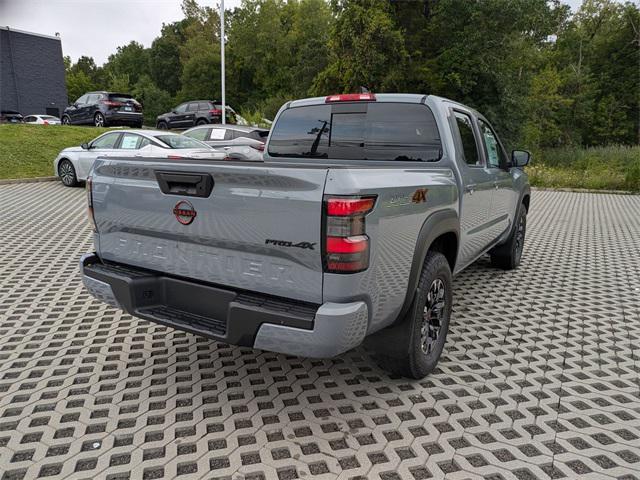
(546, 77)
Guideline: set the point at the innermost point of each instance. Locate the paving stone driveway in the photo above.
(540, 377)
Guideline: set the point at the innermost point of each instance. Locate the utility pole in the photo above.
(224, 105)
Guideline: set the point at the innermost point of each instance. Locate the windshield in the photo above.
(180, 141)
(357, 131)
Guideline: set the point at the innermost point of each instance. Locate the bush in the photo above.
(600, 168)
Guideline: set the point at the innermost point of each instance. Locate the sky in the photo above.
(95, 28)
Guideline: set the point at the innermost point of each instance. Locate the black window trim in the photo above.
(476, 136)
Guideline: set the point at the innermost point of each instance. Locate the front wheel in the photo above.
(508, 255)
(66, 120)
(67, 173)
(98, 120)
(424, 330)
(161, 126)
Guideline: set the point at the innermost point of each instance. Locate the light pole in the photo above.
(224, 106)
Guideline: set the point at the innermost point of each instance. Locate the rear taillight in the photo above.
(175, 157)
(259, 147)
(346, 245)
(92, 218)
(45, 122)
(215, 111)
(111, 104)
(351, 97)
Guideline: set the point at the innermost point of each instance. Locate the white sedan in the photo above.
(42, 120)
(73, 164)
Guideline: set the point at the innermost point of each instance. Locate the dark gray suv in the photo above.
(194, 112)
(102, 109)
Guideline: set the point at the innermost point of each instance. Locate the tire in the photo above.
(423, 332)
(162, 126)
(201, 121)
(67, 173)
(99, 121)
(66, 120)
(508, 255)
(138, 125)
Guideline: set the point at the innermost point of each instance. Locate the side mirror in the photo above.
(85, 146)
(520, 158)
(174, 111)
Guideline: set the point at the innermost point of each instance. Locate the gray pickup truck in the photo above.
(363, 209)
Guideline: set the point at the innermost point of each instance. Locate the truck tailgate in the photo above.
(258, 229)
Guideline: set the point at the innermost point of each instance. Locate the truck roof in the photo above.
(384, 97)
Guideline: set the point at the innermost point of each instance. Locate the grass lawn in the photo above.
(597, 168)
(29, 150)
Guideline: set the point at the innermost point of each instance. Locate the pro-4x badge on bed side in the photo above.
(285, 243)
(184, 212)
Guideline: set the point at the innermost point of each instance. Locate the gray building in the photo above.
(31, 73)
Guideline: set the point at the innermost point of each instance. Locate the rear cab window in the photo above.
(358, 131)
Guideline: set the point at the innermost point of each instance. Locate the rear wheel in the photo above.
(201, 121)
(423, 333)
(67, 173)
(98, 120)
(508, 255)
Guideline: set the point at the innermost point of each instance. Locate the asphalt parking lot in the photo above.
(540, 377)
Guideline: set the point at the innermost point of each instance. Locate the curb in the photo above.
(584, 190)
(10, 181)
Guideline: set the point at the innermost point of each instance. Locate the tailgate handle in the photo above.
(187, 184)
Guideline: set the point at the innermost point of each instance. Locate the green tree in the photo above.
(131, 60)
(155, 101)
(366, 49)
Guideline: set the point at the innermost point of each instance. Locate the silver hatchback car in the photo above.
(236, 141)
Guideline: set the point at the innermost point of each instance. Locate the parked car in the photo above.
(103, 109)
(235, 140)
(42, 120)
(73, 164)
(10, 116)
(194, 112)
(362, 210)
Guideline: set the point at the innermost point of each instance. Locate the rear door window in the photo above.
(372, 131)
(204, 106)
(129, 141)
(218, 134)
(467, 139)
(193, 107)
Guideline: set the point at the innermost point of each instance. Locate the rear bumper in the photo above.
(132, 118)
(227, 315)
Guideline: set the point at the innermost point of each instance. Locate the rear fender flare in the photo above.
(438, 223)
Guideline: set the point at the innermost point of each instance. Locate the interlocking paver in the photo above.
(540, 377)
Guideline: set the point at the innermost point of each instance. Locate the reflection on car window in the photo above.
(106, 141)
(468, 139)
(198, 134)
(381, 131)
(180, 141)
(495, 155)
